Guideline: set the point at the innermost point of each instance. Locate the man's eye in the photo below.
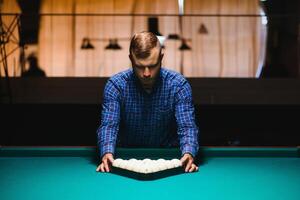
(140, 67)
(143, 67)
(153, 66)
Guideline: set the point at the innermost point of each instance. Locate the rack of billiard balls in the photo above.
(147, 169)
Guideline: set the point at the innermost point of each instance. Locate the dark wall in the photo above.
(65, 124)
(66, 111)
(283, 43)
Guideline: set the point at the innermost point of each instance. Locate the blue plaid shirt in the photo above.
(131, 117)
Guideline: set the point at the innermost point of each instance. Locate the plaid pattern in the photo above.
(132, 117)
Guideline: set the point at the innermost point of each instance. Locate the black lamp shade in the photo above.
(184, 46)
(173, 36)
(113, 45)
(203, 29)
(86, 44)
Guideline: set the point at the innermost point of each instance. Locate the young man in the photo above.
(143, 103)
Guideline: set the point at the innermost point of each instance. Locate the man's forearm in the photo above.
(107, 139)
(107, 136)
(189, 141)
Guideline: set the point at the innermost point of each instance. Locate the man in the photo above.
(141, 103)
(34, 69)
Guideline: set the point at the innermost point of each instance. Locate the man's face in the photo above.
(147, 69)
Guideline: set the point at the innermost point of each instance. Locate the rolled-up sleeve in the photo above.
(185, 116)
(110, 119)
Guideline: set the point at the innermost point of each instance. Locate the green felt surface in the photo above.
(71, 177)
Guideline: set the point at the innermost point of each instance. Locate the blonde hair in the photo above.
(142, 43)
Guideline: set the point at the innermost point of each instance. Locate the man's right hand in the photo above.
(106, 163)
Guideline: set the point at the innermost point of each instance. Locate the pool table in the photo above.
(231, 173)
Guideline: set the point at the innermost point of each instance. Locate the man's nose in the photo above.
(146, 73)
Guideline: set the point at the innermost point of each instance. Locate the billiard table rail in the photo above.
(92, 151)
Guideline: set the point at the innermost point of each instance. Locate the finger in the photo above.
(193, 168)
(106, 167)
(102, 168)
(184, 159)
(188, 166)
(98, 168)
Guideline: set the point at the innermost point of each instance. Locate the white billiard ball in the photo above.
(147, 169)
(152, 168)
(163, 166)
(122, 164)
(142, 169)
(116, 162)
(135, 167)
(161, 160)
(160, 166)
(156, 168)
(139, 168)
(168, 164)
(176, 162)
(146, 160)
(133, 160)
(129, 166)
(125, 164)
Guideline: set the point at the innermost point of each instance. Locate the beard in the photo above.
(147, 80)
(147, 83)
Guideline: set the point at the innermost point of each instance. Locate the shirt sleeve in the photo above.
(185, 117)
(110, 119)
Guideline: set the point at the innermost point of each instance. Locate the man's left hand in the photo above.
(188, 162)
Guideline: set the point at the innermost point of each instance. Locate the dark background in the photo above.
(283, 40)
(75, 125)
(66, 111)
